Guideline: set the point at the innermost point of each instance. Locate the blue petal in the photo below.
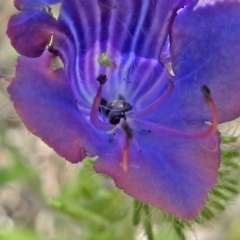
(206, 51)
(169, 173)
(139, 26)
(44, 101)
(117, 28)
(30, 32)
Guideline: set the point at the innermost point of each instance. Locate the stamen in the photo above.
(95, 107)
(208, 99)
(128, 137)
(177, 133)
(155, 105)
(125, 159)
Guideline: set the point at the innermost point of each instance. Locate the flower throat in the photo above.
(115, 112)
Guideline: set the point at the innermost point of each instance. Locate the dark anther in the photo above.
(104, 109)
(103, 102)
(115, 111)
(115, 119)
(128, 131)
(53, 51)
(102, 79)
(206, 93)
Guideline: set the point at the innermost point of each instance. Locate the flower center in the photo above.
(115, 112)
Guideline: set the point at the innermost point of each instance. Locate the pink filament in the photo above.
(96, 122)
(145, 111)
(177, 133)
(125, 158)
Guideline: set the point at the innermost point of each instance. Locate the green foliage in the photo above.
(18, 169)
(20, 234)
(229, 139)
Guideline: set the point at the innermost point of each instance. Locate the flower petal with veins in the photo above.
(65, 107)
(205, 51)
(44, 101)
(170, 173)
(30, 32)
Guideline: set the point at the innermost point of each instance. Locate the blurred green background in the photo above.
(44, 197)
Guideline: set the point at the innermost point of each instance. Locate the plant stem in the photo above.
(147, 223)
(137, 208)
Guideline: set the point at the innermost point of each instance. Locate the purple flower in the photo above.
(154, 133)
